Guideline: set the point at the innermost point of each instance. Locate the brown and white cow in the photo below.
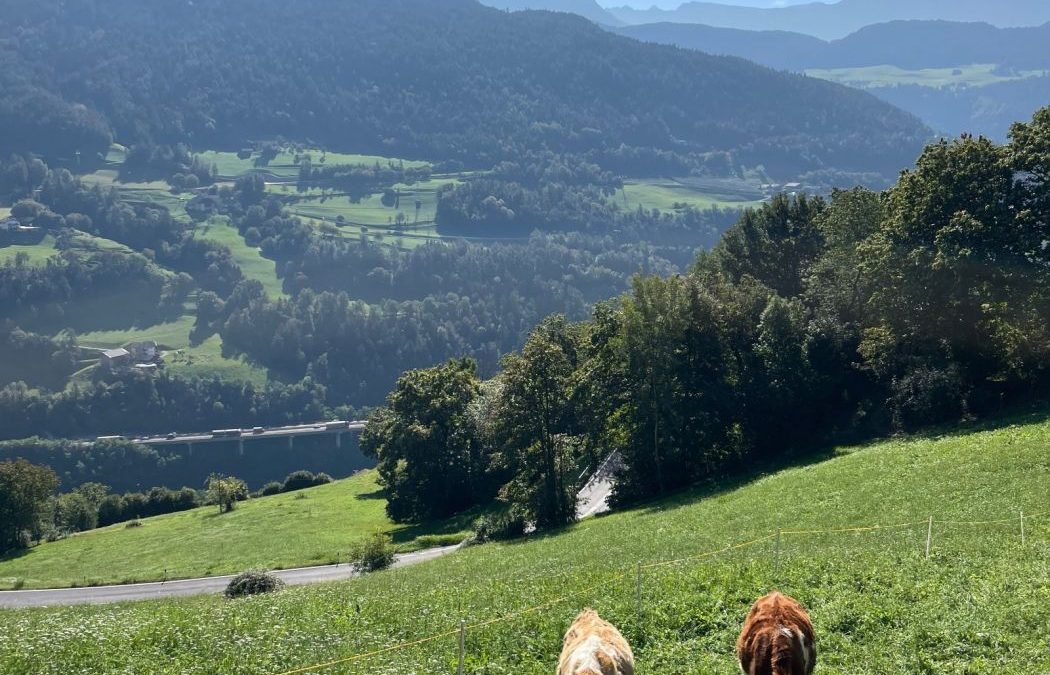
(594, 647)
(777, 638)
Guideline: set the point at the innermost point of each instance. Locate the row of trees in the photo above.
(38, 360)
(491, 208)
(810, 322)
(359, 180)
(27, 291)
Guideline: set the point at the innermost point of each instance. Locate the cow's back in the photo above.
(777, 638)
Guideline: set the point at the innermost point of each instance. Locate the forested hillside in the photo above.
(449, 81)
(812, 320)
(956, 77)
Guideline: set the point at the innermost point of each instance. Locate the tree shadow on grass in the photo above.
(449, 526)
(16, 554)
(374, 495)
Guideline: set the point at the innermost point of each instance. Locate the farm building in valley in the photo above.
(115, 359)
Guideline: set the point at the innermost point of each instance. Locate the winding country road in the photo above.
(96, 595)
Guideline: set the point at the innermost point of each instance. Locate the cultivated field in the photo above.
(979, 604)
(671, 193)
(872, 77)
(309, 527)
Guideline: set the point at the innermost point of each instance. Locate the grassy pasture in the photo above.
(230, 165)
(664, 194)
(152, 192)
(248, 258)
(46, 248)
(873, 77)
(370, 210)
(183, 357)
(38, 253)
(979, 605)
(309, 527)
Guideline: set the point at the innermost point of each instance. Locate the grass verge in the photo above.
(308, 527)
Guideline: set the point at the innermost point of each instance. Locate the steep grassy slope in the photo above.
(309, 527)
(979, 605)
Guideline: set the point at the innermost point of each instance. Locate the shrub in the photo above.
(132, 524)
(498, 527)
(271, 488)
(373, 553)
(253, 582)
(226, 491)
(928, 396)
(300, 480)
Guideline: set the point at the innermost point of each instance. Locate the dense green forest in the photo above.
(811, 321)
(125, 466)
(477, 86)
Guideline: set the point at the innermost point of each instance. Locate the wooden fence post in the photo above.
(776, 558)
(638, 597)
(462, 645)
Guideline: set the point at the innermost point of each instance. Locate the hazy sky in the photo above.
(672, 4)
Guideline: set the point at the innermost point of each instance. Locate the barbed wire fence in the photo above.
(1027, 524)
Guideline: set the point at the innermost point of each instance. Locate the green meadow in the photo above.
(253, 265)
(370, 210)
(37, 254)
(871, 77)
(284, 165)
(668, 194)
(310, 527)
(979, 604)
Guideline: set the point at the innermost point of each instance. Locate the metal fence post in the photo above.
(929, 537)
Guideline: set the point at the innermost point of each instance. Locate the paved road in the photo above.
(105, 594)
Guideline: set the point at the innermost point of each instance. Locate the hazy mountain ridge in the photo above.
(905, 44)
(833, 21)
(950, 108)
(588, 9)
